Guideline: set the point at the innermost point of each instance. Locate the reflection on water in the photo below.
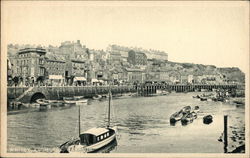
(143, 125)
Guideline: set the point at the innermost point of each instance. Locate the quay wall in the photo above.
(26, 95)
(14, 92)
(57, 93)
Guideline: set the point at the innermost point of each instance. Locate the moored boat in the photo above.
(75, 100)
(196, 109)
(197, 96)
(42, 101)
(186, 109)
(97, 97)
(92, 139)
(176, 117)
(187, 118)
(203, 99)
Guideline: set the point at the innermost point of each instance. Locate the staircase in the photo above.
(27, 91)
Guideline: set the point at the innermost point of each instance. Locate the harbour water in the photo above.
(142, 122)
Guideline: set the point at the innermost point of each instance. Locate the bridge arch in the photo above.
(35, 96)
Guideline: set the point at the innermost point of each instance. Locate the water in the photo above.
(142, 122)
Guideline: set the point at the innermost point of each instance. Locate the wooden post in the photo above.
(225, 134)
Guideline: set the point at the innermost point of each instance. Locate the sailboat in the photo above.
(92, 139)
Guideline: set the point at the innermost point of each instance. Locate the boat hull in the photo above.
(91, 148)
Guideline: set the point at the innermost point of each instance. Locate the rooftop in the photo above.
(26, 50)
(96, 131)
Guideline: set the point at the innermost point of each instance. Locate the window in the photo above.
(97, 138)
(41, 61)
(101, 137)
(107, 134)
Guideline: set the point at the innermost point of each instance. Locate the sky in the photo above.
(210, 33)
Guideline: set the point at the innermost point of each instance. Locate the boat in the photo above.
(179, 114)
(197, 96)
(97, 97)
(187, 118)
(196, 109)
(176, 116)
(75, 100)
(203, 99)
(194, 114)
(91, 140)
(207, 119)
(186, 109)
(42, 101)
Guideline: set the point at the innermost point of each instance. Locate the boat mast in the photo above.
(109, 108)
(79, 121)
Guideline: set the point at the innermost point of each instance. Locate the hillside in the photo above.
(231, 73)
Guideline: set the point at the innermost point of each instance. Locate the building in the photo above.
(135, 75)
(137, 58)
(55, 70)
(76, 72)
(30, 64)
(123, 52)
(73, 50)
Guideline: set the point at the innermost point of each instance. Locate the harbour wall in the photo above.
(26, 95)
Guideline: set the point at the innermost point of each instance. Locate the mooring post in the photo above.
(225, 134)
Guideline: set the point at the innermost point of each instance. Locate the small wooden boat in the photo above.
(75, 100)
(97, 97)
(186, 109)
(197, 96)
(176, 117)
(42, 101)
(207, 119)
(196, 109)
(194, 114)
(187, 118)
(203, 99)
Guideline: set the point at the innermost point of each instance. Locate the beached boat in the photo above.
(179, 114)
(207, 119)
(187, 118)
(92, 139)
(194, 114)
(196, 109)
(186, 109)
(176, 117)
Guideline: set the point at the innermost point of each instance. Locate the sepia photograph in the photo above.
(125, 79)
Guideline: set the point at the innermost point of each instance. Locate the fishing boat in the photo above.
(75, 100)
(92, 139)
